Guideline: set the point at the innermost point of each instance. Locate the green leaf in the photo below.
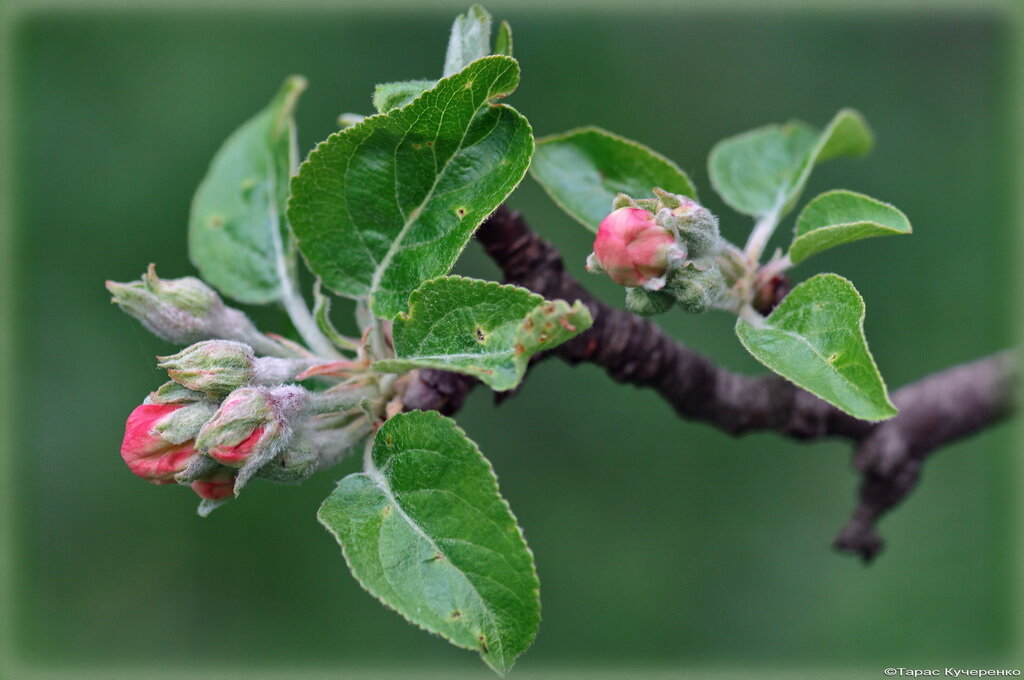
(583, 170)
(762, 172)
(388, 96)
(480, 328)
(503, 43)
(237, 233)
(839, 217)
(470, 39)
(425, 530)
(815, 338)
(388, 203)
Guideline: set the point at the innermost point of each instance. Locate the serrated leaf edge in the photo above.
(520, 534)
(349, 130)
(402, 364)
(845, 192)
(716, 149)
(786, 198)
(860, 328)
(601, 131)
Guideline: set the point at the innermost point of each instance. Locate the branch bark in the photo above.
(934, 411)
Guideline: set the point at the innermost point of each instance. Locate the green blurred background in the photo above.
(658, 541)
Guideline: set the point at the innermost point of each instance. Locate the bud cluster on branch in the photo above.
(229, 415)
(665, 251)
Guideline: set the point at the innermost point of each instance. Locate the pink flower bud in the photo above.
(145, 450)
(217, 486)
(632, 248)
(252, 422)
(235, 455)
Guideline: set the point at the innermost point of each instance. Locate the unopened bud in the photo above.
(697, 285)
(147, 452)
(213, 366)
(217, 486)
(186, 310)
(634, 250)
(252, 422)
(292, 465)
(648, 302)
(696, 227)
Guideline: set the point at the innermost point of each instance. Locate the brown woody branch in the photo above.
(934, 411)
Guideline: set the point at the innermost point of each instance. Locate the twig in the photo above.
(934, 411)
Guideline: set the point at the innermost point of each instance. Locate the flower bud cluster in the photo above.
(228, 416)
(663, 250)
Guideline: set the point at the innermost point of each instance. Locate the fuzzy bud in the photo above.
(251, 423)
(213, 366)
(634, 250)
(216, 486)
(697, 285)
(696, 227)
(173, 393)
(186, 310)
(648, 302)
(148, 453)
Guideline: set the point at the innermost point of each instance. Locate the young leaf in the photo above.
(503, 43)
(388, 96)
(425, 530)
(583, 170)
(470, 39)
(480, 328)
(839, 217)
(763, 172)
(815, 338)
(388, 203)
(237, 233)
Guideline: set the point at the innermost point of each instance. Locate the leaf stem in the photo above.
(294, 303)
(750, 315)
(762, 232)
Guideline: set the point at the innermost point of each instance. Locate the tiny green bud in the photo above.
(252, 425)
(292, 465)
(173, 393)
(214, 367)
(694, 224)
(648, 302)
(697, 285)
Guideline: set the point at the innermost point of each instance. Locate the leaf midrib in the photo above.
(818, 354)
(414, 214)
(378, 479)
